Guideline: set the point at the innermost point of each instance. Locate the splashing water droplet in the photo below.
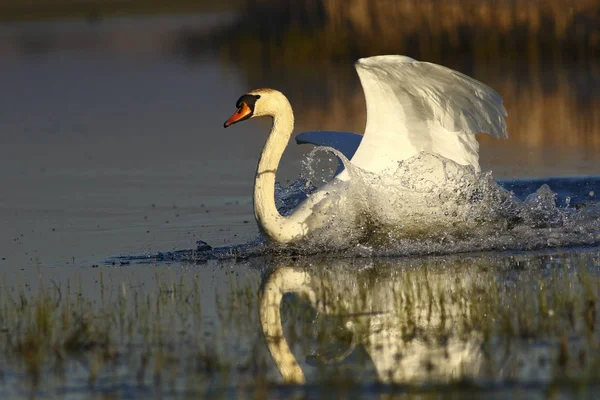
(430, 204)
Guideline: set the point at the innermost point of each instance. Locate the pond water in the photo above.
(111, 145)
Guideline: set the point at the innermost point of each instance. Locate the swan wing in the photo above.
(345, 142)
(417, 106)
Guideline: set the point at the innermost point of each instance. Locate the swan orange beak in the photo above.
(242, 113)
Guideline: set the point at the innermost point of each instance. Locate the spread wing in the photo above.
(417, 106)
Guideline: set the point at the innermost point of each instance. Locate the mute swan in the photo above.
(412, 107)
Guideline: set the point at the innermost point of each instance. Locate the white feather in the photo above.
(415, 107)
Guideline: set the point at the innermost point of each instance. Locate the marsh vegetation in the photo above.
(410, 325)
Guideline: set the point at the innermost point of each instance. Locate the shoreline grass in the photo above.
(429, 29)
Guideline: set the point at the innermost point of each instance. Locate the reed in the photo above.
(435, 29)
(165, 340)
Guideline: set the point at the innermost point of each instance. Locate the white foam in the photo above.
(432, 205)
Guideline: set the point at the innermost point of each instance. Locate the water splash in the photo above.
(289, 197)
(432, 205)
(429, 205)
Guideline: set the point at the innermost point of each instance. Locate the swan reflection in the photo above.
(435, 320)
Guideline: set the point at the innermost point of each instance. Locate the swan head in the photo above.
(258, 103)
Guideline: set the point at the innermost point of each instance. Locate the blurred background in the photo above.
(541, 56)
(111, 111)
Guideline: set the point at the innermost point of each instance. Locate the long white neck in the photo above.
(271, 223)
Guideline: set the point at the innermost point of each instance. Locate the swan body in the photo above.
(412, 107)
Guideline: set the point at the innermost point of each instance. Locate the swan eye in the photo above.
(248, 100)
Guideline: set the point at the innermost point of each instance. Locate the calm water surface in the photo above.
(111, 143)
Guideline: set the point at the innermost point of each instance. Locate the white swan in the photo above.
(412, 107)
